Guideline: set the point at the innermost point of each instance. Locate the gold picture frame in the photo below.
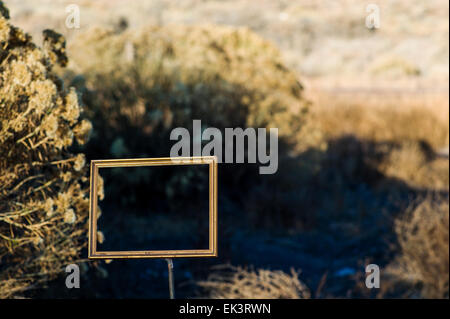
(93, 253)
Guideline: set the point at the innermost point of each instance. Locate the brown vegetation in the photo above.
(410, 127)
(43, 203)
(342, 162)
(139, 84)
(240, 283)
(423, 260)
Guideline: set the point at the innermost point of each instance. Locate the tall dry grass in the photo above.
(382, 115)
(411, 127)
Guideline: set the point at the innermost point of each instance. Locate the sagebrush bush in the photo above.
(423, 261)
(139, 84)
(159, 77)
(43, 187)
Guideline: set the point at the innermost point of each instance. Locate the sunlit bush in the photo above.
(139, 84)
(160, 77)
(43, 187)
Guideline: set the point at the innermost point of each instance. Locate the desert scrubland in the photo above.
(363, 122)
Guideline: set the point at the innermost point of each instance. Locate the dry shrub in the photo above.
(43, 202)
(240, 283)
(139, 84)
(423, 262)
(163, 77)
(417, 164)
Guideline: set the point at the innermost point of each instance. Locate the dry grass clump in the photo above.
(240, 283)
(423, 262)
(417, 164)
(43, 203)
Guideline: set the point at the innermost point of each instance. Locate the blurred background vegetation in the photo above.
(363, 163)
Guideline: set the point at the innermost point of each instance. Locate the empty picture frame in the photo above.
(93, 253)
